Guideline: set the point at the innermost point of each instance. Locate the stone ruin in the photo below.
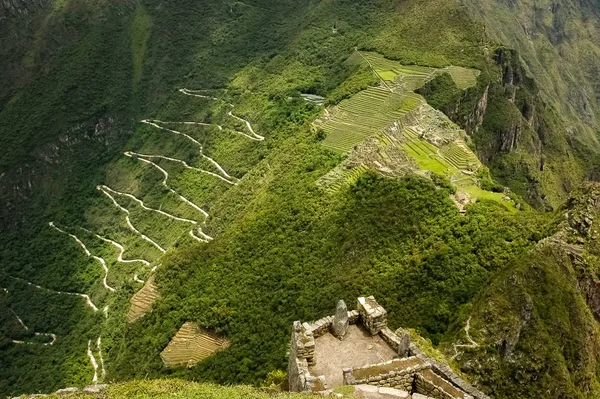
(408, 373)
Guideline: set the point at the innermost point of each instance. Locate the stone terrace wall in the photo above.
(446, 372)
(427, 383)
(397, 373)
(418, 373)
(322, 326)
(400, 340)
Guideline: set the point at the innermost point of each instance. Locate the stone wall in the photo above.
(302, 354)
(413, 371)
(373, 315)
(397, 373)
(428, 383)
(400, 340)
(298, 374)
(446, 372)
(322, 326)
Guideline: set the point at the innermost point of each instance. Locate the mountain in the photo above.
(242, 165)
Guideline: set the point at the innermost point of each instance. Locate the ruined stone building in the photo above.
(357, 348)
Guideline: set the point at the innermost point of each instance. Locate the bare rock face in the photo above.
(339, 327)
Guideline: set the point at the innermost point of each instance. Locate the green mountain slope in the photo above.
(169, 144)
(535, 327)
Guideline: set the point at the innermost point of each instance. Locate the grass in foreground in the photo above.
(159, 389)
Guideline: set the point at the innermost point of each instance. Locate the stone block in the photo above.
(392, 393)
(95, 388)
(420, 396)
(67, 390)
(366, 392)
(339, 326)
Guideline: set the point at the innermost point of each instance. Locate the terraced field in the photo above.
(142, 301)
(463, 77)
(395, 117)
(190, 345)
(377, 108)
(460, 156)
(408, 77)
(365, 114)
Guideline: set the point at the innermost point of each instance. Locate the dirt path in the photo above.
(203, 236)
(88, 253)
(119, 247)
(225, 176)
(129, 224)
(255, 136)
(84, 296)
(141, 203)
(90, 355)
(99, 346)
(471, 344)
(37, 334)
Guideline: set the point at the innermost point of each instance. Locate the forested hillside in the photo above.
(176, 149)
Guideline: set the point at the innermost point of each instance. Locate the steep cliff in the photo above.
(536, 326)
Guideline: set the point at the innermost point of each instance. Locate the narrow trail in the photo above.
(19, 319)
(90, 355)
(224, 175)
(196, 93)
(203, 236)
(141, 203)
(164, 182)
(84, 296)
(255, 136)
(99, 346)
(471, 344)
(137, 279)
(37, 334)
(88, 253)
(129, 224)
(119, 247)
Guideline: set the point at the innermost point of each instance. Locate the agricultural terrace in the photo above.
(393, 110)
(365, 114)
(190, 345)
(376, 108)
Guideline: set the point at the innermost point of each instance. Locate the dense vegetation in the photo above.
(159, 389)
(284, 249)
(536, 323)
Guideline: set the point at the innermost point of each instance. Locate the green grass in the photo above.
(426, 159)
(140, 33)
(463, 77)
(166, 389)
(478, 193)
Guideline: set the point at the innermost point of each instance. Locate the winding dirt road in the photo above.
(88, 253)
(129, 224)
(84, 296)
